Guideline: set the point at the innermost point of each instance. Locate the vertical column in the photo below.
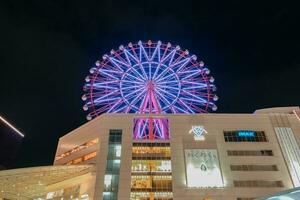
(290, 152)
(111, 177)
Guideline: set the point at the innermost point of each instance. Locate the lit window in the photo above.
(90, 156)
(118, 150)
(107, 181)
(78, 148)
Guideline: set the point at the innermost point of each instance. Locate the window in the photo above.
(83, 158)
(257, 183)
(151, 166)
(151, 183)
(77, 160)
(90, 156)
(245, 136)
(151, 151)
(250, 153)
(253, 168)
(151, 171)
(111, 177)
(78, 148)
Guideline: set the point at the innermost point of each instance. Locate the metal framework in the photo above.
(151, 77)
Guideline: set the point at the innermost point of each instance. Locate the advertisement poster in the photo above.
(202, 168)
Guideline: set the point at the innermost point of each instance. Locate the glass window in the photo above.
(111, 178)
(250, 153)
(78, 148)
(245, 136)
(253, 168)
(258, 183)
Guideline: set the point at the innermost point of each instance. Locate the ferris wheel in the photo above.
(149, 78)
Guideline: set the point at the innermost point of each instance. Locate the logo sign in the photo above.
(246, 134)
(198, 132)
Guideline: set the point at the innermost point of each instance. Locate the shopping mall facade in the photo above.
(151, 137)
(236, 156)
(204, 156)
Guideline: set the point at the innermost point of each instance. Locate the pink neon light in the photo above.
(151, 129)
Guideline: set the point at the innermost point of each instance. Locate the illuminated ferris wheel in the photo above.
(150, 77)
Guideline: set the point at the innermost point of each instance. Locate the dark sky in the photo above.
(47, 48)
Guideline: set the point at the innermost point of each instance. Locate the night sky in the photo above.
(47, 49)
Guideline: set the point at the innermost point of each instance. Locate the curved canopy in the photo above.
(30, 183)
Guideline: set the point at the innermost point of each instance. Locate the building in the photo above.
(214, 156)
(10, 141)
(152, 138)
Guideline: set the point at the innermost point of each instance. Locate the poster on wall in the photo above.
(202, 168)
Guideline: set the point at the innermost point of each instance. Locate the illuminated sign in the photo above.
(246, 133)
(202, 168)
(198, 132)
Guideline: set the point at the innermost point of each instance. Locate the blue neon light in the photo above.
(246, 133)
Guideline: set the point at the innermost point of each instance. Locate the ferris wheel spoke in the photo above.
(144, 126)
(128, 54)
(201, 102)
(107, 95)
(137, 98)
(156, 70)
(130, 82)
(164, 59)
(131, 87)
(120, 109)
(131, 93)
(156, 51)
(158, 129)
(168, 82)
(104, 87)
(138, 58)
(164, 78)
(163, 98)
(135, 78)
(196, 97)
(196, 72)
(185, 105)
(184, 111)
(108, 74)
(204, 86)
(169, 56)
(138, 74)
(115, 105)
(167, 92)
(98, 101)
(142, 51)
(170, 87)
(130, 57)
(193, 83)
(117, 63)
(181, 64)
(189, 72)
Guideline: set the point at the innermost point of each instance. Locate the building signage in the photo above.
(198, 132)
(202, 168)
(246, 133)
